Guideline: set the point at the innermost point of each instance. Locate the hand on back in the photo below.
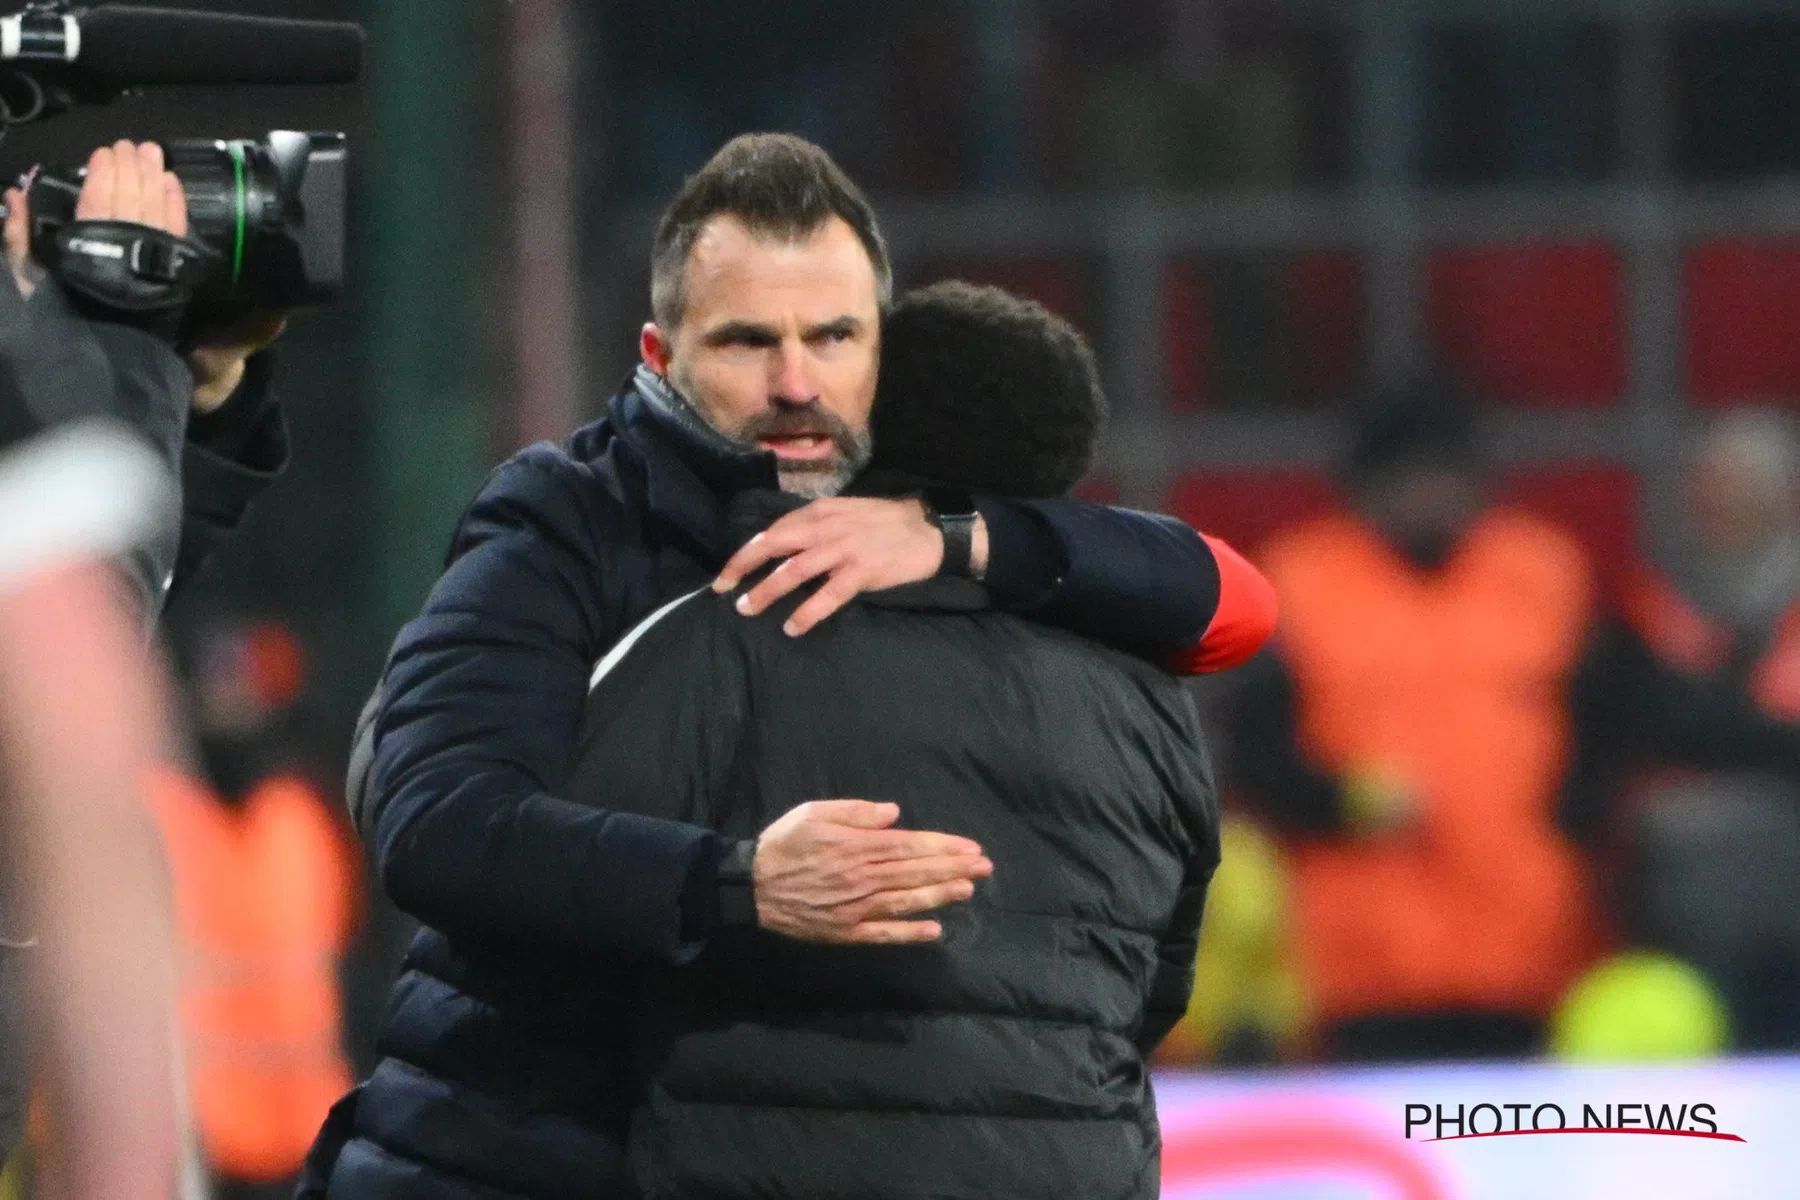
(838, 871)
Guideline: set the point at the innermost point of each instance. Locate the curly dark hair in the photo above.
(985, 390)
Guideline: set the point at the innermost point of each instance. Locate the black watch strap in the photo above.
(952, 510)
(737, 886)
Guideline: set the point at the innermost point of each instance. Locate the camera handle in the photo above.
(130, 274)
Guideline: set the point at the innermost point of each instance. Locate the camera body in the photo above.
(271, 212)
(266, 218)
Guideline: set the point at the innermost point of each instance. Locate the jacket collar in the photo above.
(691, 469)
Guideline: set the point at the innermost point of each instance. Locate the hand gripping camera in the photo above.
(265, 232)
(266, 218)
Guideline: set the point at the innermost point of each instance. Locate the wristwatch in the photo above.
(737, 885)
(952, 510)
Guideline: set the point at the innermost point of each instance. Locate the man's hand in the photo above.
(218, 359)
(835, 871)
(26, 272)
(862, 545)
(125, 182)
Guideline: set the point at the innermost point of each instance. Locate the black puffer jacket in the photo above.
(505, 1044)
(1005, 1061)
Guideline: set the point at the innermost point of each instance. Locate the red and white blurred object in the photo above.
(1340, 1134)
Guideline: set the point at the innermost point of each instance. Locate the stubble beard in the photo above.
(812, 480)
(815, 481)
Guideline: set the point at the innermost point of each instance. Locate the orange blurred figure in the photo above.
(1411, 738)
(266, 890)
(264, 906)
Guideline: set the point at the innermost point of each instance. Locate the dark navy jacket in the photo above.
(521, 890)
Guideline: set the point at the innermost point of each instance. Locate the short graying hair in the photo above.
(780, 187)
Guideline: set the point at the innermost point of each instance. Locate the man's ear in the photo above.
(653, 346)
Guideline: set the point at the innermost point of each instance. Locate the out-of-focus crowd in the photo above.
(1495, 794)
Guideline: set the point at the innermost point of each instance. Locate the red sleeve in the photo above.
(1242, 623)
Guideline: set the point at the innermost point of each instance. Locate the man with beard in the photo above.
(1005, 1058)
(768, 280)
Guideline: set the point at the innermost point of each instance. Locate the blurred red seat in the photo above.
(1321, 329)
(1531, 325)
(1325, 298)
(1596, 504)
(1187, 337)
(1742, 313)
(1246, 507)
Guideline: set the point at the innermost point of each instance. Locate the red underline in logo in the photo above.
(1716, 1137)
